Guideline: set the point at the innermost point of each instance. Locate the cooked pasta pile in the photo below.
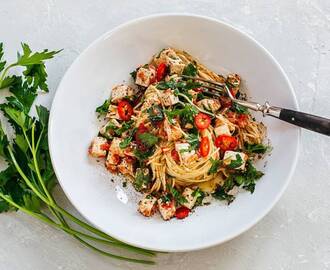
(178, 142)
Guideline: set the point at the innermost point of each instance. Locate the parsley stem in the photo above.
(4, 73)
(71, 232)
(26, 180)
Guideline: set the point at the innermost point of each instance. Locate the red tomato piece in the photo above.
(175, 156)
(105, 146)
(161, 71)
(182, 212)
(125, 110)
(226, 142)
(204, 146)
(202, 121)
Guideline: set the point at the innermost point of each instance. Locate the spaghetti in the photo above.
(179, 144)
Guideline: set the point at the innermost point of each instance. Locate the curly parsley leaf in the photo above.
(190, 70)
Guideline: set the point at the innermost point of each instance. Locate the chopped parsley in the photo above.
(148, 139)
(199, 194)
(193, 140)
(141, 180)
(155, 113)
(143, 155)
(190, 70)
(177, 195)
(221, 194)
(186, 114)
(103, 109)
(125, 143)
(256, 148)
(239, 109)
(215, 166)
(236, 163)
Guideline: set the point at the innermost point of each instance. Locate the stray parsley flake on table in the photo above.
(27, 182)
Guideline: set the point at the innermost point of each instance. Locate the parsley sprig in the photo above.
(27, 183)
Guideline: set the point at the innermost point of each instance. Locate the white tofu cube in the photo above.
(183, 150)
(166, 209)
(209, 104)
(188, 195)
(98, 147)
(169, 98)
(222, 130)
(173, 132)
(125, 167)
(121, 91)
(231, 156)
(115, 148)
(145, 76)
(112, 162)
(147, 205)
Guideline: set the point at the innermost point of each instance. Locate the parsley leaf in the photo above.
(193, 141)
(143, 155)
(142, 179)
(125, 143)
(155, 113)
(215, 166)
(239, 109)
(148, 139)
(187, 114)
(190, 70)
(256, 148)
(236, 163)
(221, 194)
(103, 109)
(199, 194)
(2, 63)
(177, 195)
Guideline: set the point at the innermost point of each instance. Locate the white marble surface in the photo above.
(296, 233)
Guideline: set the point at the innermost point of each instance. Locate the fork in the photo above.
(301, 119)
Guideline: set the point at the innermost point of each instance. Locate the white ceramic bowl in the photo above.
(108, 61)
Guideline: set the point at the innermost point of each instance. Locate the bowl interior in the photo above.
(109, 61)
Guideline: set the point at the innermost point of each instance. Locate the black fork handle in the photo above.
(305, 120)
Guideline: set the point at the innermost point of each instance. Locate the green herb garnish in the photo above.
(155, 113)
(215, 166)
(236, 163)
(103, 109)
(148, 139)
(256, 148)
(141, 180)
(27, 183)
(239, 109)
(177, 195)
(190, 70)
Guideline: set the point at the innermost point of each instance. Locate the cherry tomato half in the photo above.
(202, 121)
(175, 156)
(160, 72)
(182, 212)
(204, 146)
(125, 110)
(226, 142)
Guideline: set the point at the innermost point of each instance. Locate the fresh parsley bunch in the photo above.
(27, 182)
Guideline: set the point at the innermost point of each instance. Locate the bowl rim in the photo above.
(118, 28)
